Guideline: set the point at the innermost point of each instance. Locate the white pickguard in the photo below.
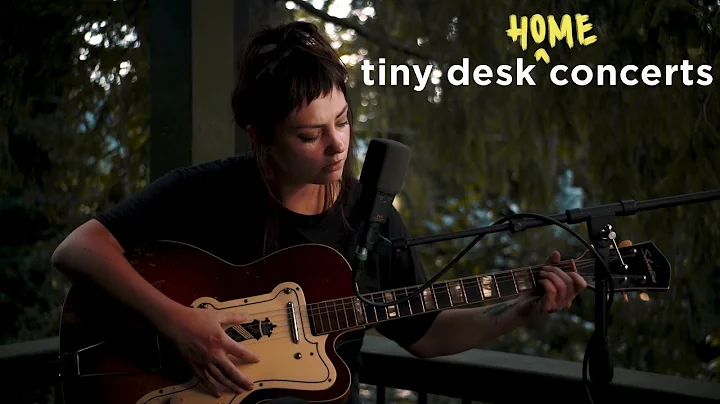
(284, 364)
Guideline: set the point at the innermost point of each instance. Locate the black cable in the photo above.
(611, 287)
(361, 266)
(546, 219)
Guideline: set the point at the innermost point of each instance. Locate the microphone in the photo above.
(382, 177)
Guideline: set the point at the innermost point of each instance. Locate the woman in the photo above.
(297, 186)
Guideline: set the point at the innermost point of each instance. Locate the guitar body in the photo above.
(301, 309)
(110, 354)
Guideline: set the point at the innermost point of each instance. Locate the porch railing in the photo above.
(28, 369)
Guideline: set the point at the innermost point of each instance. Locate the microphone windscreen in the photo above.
(386, 164)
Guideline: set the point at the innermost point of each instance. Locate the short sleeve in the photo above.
(157, 211)
(405, 270)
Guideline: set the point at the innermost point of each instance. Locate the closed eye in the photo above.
(308, 139)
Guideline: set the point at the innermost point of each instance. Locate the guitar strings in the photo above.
(471, 280)
(332, 305)
(304, 325)
(337, 306)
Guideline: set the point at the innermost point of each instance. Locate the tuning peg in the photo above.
(625, 243)
(644, 296)
(626, 299)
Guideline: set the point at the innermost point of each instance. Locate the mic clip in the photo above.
(380, 245)
(383, 247)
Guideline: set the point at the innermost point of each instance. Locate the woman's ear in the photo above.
(253, 133)
(255, 144)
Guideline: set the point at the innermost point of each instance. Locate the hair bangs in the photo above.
(307, 79)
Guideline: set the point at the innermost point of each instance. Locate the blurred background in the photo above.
(100, 97)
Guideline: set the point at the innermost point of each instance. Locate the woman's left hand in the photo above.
(561, 288)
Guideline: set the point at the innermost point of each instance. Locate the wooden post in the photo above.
(194, 46)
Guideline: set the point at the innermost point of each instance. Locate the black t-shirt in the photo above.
(221, 208)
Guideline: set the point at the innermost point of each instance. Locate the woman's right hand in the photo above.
(200, 337)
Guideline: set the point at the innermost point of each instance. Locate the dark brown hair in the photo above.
(282, 69)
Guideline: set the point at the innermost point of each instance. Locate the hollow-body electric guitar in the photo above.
(301, 306)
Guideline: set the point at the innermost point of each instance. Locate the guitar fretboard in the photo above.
(350, 312)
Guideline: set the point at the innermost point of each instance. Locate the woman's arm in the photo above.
(92, 253)
(458, 330)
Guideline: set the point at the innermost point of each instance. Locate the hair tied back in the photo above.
(267, 48)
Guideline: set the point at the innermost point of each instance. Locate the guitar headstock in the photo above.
(637, 268)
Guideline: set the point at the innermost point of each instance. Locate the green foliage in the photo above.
(74, 126)
(483, 148)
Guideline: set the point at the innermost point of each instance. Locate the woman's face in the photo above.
(312, 144)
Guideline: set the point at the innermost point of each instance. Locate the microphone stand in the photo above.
(572, 216)
(600, 224)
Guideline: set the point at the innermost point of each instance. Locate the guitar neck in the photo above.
(347, 313)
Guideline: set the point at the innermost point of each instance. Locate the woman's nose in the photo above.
(337, 142)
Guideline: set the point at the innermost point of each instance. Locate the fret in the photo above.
(392, 311)
(314, 314)
(360, 309)
(387, 308)
(337, 316)
(488, 287)
(456, 293)
(333, 316)
(473, 293)
(378, 317)
(434, 296)
(380, 313)
(532, 276)
(505, 283)
(378, 310)
(325, 317)
(417, 303)
(409, 302)
(429, 300)
(345, 309)
(525, 281)
(442, 297)
(462, 291)
(318, 318)
(370, 314)
(512, 273)
(354, 307)
(348, 306)
(403, 309)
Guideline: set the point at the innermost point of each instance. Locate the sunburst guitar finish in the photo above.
(300, 305)
(110, 354)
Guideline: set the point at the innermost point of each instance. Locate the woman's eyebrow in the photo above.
(317, 126)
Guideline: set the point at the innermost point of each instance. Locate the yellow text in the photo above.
(542, 29)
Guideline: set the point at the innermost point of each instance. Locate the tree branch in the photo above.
(362, 31)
